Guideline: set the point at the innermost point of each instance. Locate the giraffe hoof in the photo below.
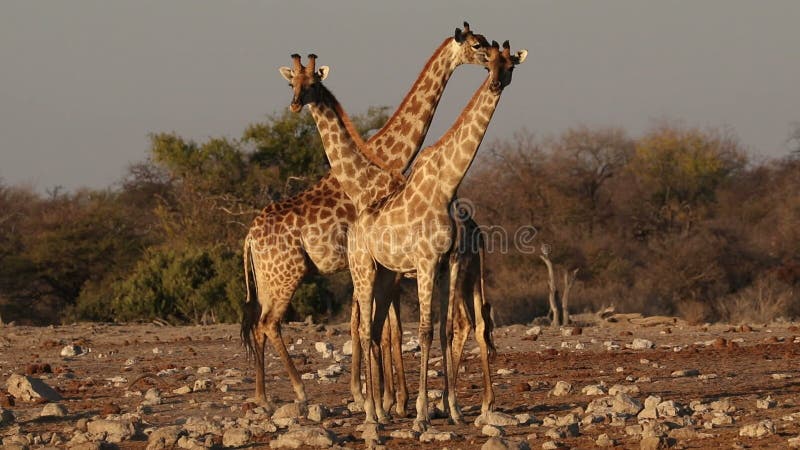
(401, 411)
(421, 425)
(370, 432)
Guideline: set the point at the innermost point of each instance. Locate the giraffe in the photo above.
(308, 232)
(371, 246)
(411, 231)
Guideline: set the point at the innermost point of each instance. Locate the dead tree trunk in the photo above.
(569, 280)
(551, 283)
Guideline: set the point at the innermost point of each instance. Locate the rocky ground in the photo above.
(621, 381)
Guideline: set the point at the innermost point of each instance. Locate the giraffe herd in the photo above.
(383, 217)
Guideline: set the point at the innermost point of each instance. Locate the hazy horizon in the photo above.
(84, 82)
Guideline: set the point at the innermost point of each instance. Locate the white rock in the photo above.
(641, 344)
(404, 434)
(203, 370)
(114, 431)
(308, 376)
(164, 438)
(434, 435)
(685, 373)
(604, 441)
(72, 350)
(533, 331)
(623, 404)
(325, 348)
(202, 385)
(236, 437)
(334, 370)
(504, 372)
(27, 389)
(630, 389)
(593, 389)
(317, 413)
(182, 390)
(758, 430)
(305, 436)
(766, 403)
(347, 348)
(496, 418)
(491, 430)
(560, 389)
(411, 346)
(53, 410)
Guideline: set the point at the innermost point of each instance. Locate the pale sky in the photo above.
(82, 83)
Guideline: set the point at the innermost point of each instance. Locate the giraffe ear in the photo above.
(286, 73)
(323, 72)
(459, 36)
(521, 55)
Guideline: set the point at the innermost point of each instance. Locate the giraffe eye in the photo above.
(476, 46)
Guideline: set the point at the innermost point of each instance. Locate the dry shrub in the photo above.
(694, 311)
(764, 301)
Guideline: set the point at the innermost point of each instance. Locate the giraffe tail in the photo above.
(251, 310)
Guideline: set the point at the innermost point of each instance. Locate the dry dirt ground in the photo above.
(743, 364)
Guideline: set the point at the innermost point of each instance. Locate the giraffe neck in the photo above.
(362, 178)
(401, 137)
(449, 158)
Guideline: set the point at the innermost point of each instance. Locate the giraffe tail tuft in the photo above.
(251, 310)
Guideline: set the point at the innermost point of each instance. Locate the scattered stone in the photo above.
(641, 344)
(182, 390)
(524, 419)
(29, 389)
(685, 373)
(491, 430)
(686, 434)
(766, 403)
(404, 434)
(571, 331)
(290, 411)
(593, 389)
(758, 430)
(630, 389)
(650, 410)
(561, 388)
(164, 438)
(669, 409)
(624, 404)
(604, 441)
(781, 376)
(553, 445)
(411, 346)
(317, 413)
(720, 419)
(725, 405)
(347, 348)
(504, 372)
(496, 419)
(334, 370)
(308, 376)
(152, 397)
(114, 431)
(533, 331)
(203, 370)
(72, 350)
(794, 442)
(433, 435)
(202, 385)
(654, 443)
(236, 437)
(53, 410)
(707, 376)
(305, 436)
(496, 443)
(325, 348)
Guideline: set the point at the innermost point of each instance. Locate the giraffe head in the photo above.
(473, 47)
(501, 65)
(304, 81)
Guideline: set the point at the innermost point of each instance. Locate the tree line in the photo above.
(680, 220)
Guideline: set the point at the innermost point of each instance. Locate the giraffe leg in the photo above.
(426, 273)
(355, 363)
(482, 321)
(397, 354)
(362, 271)
(260, 340)
(382, 293)
(446, 335)
(461, 329)
(388, 375)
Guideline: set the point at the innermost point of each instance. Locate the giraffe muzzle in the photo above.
(295, 107)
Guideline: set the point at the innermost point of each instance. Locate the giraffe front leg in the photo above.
(426, 274)
(382, 294)
(397, 354)
(355, 363)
